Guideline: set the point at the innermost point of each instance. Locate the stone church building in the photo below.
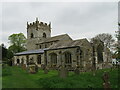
(61, 50)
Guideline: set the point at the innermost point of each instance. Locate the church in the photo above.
(61, 50)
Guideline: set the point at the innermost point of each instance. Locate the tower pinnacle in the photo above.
(36, 18)
(49, 24)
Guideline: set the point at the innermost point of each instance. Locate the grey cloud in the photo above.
(77, 19)
(119, 11)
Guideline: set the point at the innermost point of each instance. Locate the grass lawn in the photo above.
(15, 77)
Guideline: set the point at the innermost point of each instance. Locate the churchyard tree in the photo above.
(17, 42)
(106, 38)
(6, 54)
(117, 53)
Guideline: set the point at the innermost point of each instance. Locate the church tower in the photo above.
(36, 32)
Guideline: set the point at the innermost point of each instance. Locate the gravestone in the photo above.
(63, 72)
(36, 68)
(77, 71)
(42, 66)
(46, 70)
(32, 69)
(106, 83)
(111, 68)
(24, 66)
(93, 71)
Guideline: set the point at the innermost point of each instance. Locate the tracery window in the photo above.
(22, 61)
(45, 45)
(54, 58)
(31, 35)
(39, 59)
(40, 46)
(81, 53)
(68, 58)
(18, 60)
(44, 35)
(100, 53)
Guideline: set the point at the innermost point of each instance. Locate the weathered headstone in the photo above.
(31, 69)
(94, 71)
(42, 66)
(36, 68)
(46, 70)
(111, 68)
(77, 71)
(63, 72)
(106, 83)
(24, 66)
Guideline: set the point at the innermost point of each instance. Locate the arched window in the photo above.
(53, 58)
(68, 58)
(22, 61)
(77, 50)
(51, 43)
(31, 35)
(45, 45)
(39, 59)
(18, 61)
(100, 53)
(27, 57)
(81, 53)
(40, 46)
(44, 35)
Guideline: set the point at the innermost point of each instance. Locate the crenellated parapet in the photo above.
(39, 25)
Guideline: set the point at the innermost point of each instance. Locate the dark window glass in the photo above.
(22, 61)
(39, 59)
(54, 58)
(100, 53)
(32, 35)
(68, 58)
(18, 61)
(45, 45)
(44, 35)
(40, 46)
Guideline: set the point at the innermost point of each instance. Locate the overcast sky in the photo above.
(78, 19)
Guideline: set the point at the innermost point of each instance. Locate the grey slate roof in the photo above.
(68, 44)
(38, 51)
(55, 38)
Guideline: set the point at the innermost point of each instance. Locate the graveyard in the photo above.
(17, 77)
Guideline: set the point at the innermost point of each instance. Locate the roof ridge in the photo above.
(59, 35)
(80, 39)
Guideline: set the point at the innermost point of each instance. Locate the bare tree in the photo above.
(106, 38)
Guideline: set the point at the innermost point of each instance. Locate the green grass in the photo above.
(19, 78)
